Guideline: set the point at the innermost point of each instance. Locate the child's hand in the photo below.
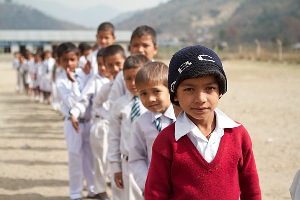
(119, 180)
(75, 123)
(87, 67)
(70, 75)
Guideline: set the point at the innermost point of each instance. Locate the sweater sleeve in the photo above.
(158, 184)
(248, 178)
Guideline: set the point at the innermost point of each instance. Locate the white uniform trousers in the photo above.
(131, 190)
(99, 145)
(80, 158)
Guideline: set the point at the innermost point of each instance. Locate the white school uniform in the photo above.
(101, 116)
(78, 144)
(46, 81)
(16, 65)
(55, 101)
(92, 57)
(119, 139)
(144, 132)
(90, 91)
(40, 68)
(23, 73)
(30, 72)
(118, 89)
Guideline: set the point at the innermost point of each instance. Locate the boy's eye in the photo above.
(210, 88)
(143, 94)
(188, 89)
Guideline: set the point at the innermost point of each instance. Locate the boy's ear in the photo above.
(155, 49)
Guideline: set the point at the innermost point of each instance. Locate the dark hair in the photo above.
(106, 26)
(112, 50)
(135, 61)
(100, 52)
(83, 46)
(153, 72)
(66, 47)
(144, 30)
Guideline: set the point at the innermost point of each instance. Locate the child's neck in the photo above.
(207, 126)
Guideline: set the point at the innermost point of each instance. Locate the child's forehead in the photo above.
(105, 32)
(150, 84)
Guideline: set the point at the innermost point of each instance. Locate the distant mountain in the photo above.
(88, 16)
(231, 20)
(15, 16)
(264, 20)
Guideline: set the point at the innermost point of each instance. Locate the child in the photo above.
(152, 85)
(113, 58)
(77, 138)
(105, 37)
(123, 111)
(204, 154)
(84, 105)
(84, 50)
(38, 60)
(16, 65)
(143, 41)
(30, 81)
(46, 85)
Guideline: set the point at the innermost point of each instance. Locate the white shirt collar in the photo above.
(184, 125)
(169, 113)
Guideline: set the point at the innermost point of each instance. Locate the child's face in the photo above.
(87, 52)
(129, 77)
(143, 45)
(101, 67)
(154, 96)
(69, 60)
(114, 64)
(48, 55)
(105, 38)
(198, 97)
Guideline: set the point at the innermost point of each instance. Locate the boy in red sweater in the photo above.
(204, 154)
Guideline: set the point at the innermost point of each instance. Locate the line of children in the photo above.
(117, 115)
(152, 86)
(113, 57)
(123, 111)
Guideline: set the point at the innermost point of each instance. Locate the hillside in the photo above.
(15, 16)
(231, 20)
(265, 20)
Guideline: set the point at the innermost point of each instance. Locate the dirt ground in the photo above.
(262, 96)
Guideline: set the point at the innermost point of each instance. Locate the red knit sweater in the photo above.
(178, 171)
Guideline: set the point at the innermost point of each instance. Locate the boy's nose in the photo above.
(201, 97)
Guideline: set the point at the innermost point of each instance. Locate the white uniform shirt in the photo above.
(90, 90)
(16, 63)
(82, 77)
(207, 148)
(92, 57)
(101, 105)
(144, 133)
(120, 130)
(118, 89)
(68, 93)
